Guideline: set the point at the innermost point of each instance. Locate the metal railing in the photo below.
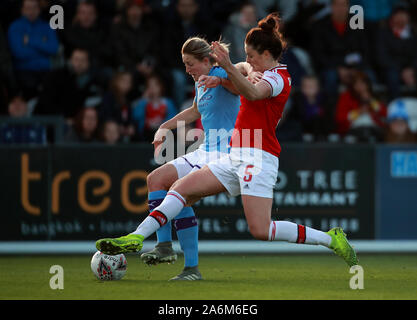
(56, 123)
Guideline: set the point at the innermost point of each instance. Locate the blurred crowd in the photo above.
(115, 72)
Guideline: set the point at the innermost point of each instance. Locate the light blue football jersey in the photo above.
(218, 108)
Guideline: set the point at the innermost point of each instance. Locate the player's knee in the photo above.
(162, 178)
(174, 186)
(177, 186)
(156, 181)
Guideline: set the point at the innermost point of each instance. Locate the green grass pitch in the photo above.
(227, 277)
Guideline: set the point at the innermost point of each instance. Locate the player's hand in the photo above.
(220, 55)
(158, 140)
(255, 76)
(208, 82)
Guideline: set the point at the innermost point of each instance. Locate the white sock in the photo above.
(147, 227)
(295, 233)
(282, 231)
(170, 207)
(317, 237)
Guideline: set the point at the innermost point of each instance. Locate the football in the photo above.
(106, 267)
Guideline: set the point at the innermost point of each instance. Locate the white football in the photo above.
(106, 267)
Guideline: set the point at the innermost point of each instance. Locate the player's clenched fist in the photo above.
(209, 81)
(220, 55)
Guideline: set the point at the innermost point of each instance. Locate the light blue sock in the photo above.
(187, 232)
(164, 234)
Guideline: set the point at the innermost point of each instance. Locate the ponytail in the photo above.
(267, 36)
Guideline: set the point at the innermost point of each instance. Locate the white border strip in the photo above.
(209, 246)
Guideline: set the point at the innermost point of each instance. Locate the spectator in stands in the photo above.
(289, 128)
(16, 133)
(240, 22)
(287, 9)
(110, 132)
(336, 47)
(7, 80)
(135, 42)
(398, 130)
(310, 107)
(153, 109)
(32, 43)
(376, 11)
(116, 104)
(397, 52)
(299, 63)
(85, 127)
(298, 27)
(9, 11)
(413, 11)
(67, 89)
(185, 23)
(87, 33)
(218, 13)
(359, 113)
(410, 104)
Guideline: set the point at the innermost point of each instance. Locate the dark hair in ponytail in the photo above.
(266, 36)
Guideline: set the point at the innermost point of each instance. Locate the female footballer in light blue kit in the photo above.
(261, 107)
(218, 108)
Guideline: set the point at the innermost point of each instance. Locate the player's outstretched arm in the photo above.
(186, 116)
(246, 88)
(214, 81)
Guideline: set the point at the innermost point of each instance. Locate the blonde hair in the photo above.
(199, 48)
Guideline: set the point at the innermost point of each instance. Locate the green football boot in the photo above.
(188, 274)
(162, 253)
(124, 244)
(341, 246)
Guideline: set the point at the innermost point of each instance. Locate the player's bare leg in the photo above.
(162, 178)
(258, 215)
(192, 188)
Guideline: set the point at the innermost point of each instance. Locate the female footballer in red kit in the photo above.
(251, 167)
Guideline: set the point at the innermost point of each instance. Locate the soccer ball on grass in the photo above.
(106, 267)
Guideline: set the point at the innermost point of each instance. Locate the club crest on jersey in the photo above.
(206, 97)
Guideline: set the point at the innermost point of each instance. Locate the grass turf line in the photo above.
(227, 277)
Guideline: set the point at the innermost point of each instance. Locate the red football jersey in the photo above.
(257, 120)
(154, 115)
